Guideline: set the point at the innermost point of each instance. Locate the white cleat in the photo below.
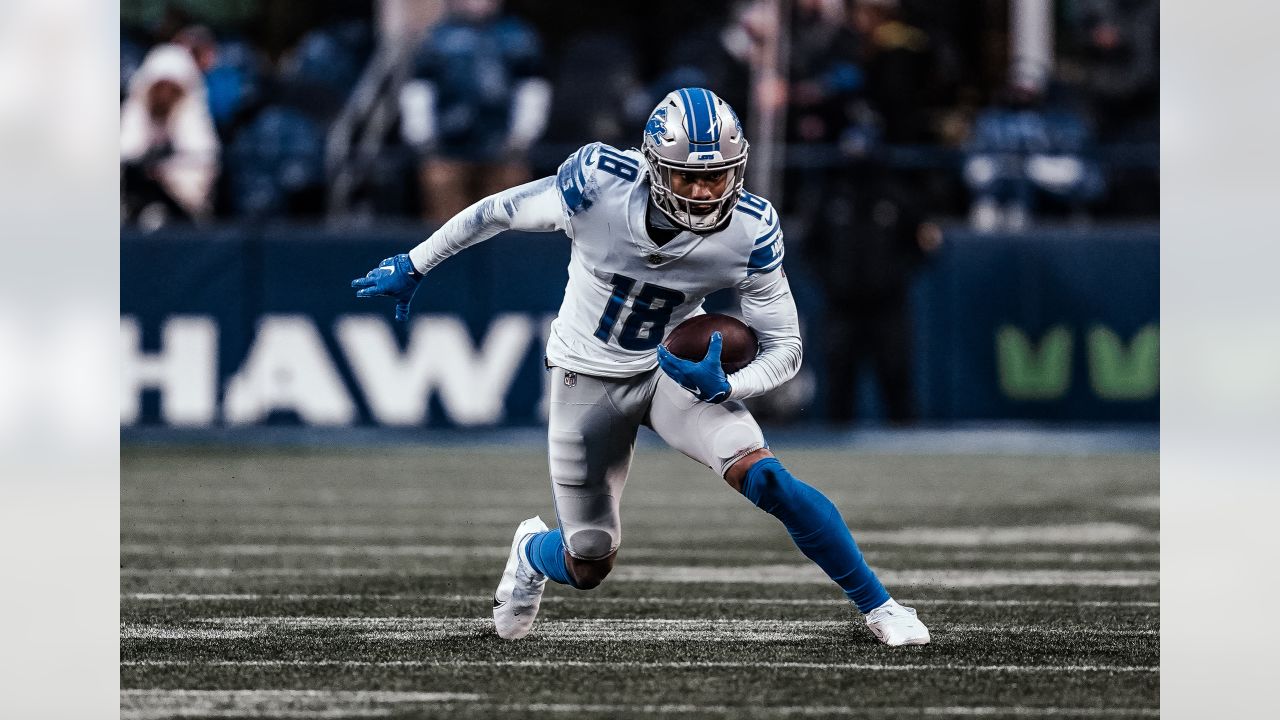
(895, 625)
(519, 593)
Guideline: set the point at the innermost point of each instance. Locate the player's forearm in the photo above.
(767, 306)
(774, 366)
(532, 207)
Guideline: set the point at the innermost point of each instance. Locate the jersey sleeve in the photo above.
(767, 307)
(586, 174)
(766, 246)
(532, 207)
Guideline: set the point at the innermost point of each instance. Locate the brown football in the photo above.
(690, 339)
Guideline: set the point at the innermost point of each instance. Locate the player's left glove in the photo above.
(394, 277)
(705, 378)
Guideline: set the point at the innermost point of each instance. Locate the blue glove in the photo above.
(706, 379)
(394, 277)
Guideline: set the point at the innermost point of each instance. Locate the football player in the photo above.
(653, 231)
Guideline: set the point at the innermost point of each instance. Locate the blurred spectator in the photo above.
(478, 102)
(276, 165)
(867, 241)
(826, 77)
(1024, 153)
(598, 92)
(1118, 44)
(168, 148)
(716, 55)
(230, 70)
(897, 64)
(319, 72)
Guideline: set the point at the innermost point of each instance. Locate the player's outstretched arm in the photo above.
(532, 207)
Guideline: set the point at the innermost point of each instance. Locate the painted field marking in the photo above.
(842, 710)
(753, 574)
(485, 598)
(650, 553)
(1092, 533)
(147, 704)
(1138, 502)
(639, 665)
(791, 574)
(585, 629)
(155, 704)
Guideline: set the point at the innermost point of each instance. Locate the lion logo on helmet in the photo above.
(656, 128)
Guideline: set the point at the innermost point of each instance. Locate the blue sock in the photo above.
(817, 529)
(546, 554)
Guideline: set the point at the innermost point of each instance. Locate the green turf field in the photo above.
(357, 583)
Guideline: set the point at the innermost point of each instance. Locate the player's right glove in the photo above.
(705, 378)
(394, 277)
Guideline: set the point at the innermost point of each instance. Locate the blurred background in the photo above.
(970, 191)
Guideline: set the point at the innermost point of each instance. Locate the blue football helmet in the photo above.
(693, 130)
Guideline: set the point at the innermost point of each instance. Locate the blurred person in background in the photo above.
(228, 82)
(168, 146)
(1027, 150)
(1117, 46)
(825, 73)
(477, 103)
(719, 54)
(897, 65)
(867, 242)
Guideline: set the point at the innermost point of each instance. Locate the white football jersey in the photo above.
(625, 293)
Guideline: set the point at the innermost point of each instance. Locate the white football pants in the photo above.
(591, 438)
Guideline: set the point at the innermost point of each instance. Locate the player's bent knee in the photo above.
(590, 557)
(736, 475)
(590, 543)
(588, 574)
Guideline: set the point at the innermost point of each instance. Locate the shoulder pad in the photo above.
(581, 176)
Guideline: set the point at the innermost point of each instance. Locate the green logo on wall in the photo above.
(1028, 372)
(1042, 371)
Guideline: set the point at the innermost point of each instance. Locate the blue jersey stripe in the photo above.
(765, 255)
(762, 256)
(573, 182)
(770, 267)
(765, 237)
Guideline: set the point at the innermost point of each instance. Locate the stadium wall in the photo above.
(251, 326)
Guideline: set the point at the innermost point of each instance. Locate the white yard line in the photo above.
(792, 574)
(843, 710)
(1001, 553)
(1093, 533)
(155, 704)
(586, 629)
(339, 597)
(628, 664)
(1023, 711)
(753, 574)
(1138, 502)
